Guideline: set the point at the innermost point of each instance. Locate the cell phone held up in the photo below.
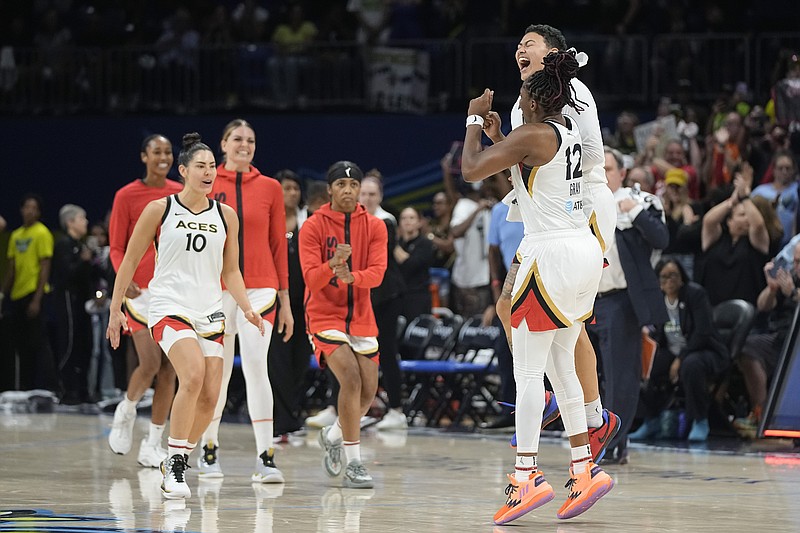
(780, 263)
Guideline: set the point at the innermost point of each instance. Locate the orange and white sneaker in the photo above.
(584, 490)
(524, 497)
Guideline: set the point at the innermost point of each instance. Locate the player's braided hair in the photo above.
(192, 144)
(550, 87)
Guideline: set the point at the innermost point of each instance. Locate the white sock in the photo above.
(594, 413)
(581, 455)
(190, 446)
(352, 451)
(128, 405)
(156, 432)
(524, 467)
(335, 433)
(177, 446)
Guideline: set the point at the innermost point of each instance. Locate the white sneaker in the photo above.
(151, 455)
(121, 437)
(394, 419)
(266, 471)
(356, 476)
(332, 460)
(326, 417)
(174, 486)
(208, 463)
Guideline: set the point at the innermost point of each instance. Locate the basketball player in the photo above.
(196, 241)
(263, 260)
(129, 202)
(598, 205)
(343, 255)
(561, 263)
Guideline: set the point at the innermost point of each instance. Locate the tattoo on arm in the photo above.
(508, 285)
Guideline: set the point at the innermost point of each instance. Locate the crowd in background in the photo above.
(725, 178)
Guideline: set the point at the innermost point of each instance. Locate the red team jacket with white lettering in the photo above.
(330, 303)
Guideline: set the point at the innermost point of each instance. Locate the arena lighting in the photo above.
(781, 414)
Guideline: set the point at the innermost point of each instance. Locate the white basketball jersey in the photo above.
(189, 250)
(550, 196)
(588, 123)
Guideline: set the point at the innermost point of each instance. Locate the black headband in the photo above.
(344, 169)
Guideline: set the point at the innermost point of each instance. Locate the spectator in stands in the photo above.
(292, 40)
(783, 193)
(775, 141)
(786, 94)
(101, 365)
(30, 253)
(761, 351)
(623, 139)
(469, 226)
(735, 244)
(690, 354)
(249, 21)
(724, 150)
(674, 157)
(439, 231)
(682, 220)
(414, 255)
(771, 222)
(72, 288)
(373, 21)
(387, 304)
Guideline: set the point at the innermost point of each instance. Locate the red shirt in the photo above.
(258, 202)
(129, 202)
(330, 303)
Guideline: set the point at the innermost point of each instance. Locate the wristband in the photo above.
(475, 120)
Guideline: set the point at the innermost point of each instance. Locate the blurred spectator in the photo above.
(373, 20)
(623, 139)
(674, 158)
(290, 62)
(775, 141)
(682, 220)
(690, 354)
(30, 253)
(724, 152)
(178, 58)
(387, 303)
(289, 361)
(439, 231)
(249, 21)
(771, 222)
(761, 351)
(72, 288)
(469, 226)
(783, 193)
(53, 39)
(735, 244)
(218, 29)
(414, 255)
(786, 95)
(101, 366)
(316, 195)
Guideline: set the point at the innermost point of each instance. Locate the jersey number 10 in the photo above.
(196, 243)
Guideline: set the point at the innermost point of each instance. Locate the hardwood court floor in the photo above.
(424, 482)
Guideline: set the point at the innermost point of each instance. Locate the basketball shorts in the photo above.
(557, 280)
(137, 310)
(325, 342)
(208, 331)
(263, 301)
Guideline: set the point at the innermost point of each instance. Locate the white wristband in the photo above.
(475, 120)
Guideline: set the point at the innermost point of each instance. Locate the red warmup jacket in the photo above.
(129, 202)
(258, 202)
(331, 304)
